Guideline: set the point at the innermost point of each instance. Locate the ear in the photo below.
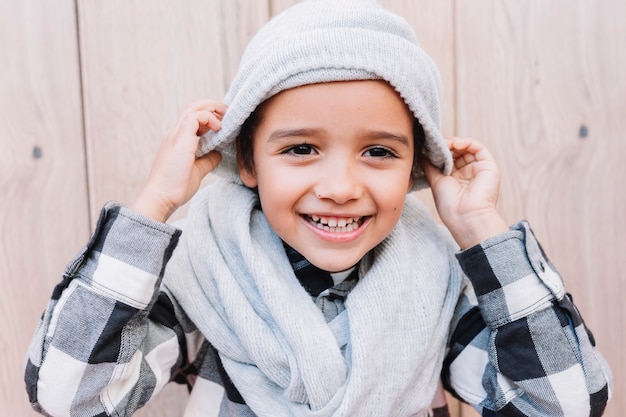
(248, 176)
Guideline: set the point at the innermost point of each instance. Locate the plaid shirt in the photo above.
(111, 336)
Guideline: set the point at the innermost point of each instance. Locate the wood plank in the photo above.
(43, 203)
(541, 83)
(142, 62)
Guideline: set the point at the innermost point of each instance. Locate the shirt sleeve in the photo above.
(108, 340)
(519, 346)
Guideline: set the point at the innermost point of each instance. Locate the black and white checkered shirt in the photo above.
(112, 337)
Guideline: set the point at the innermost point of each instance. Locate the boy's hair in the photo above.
(245, 142)
(319, 41)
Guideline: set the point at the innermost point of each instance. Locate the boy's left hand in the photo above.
(466, 199)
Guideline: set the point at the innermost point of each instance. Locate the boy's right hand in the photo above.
(176, 173)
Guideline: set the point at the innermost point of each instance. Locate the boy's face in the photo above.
(333, 166)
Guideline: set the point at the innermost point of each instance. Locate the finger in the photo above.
(214, 107)
(463, 160)
(464, 144)
(198, 110)
(194, 124)
(432, 173)
(208, 162)
(211, 105)
(464, 147)
(468, 151)
(208, 121)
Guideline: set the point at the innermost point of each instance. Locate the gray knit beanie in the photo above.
(319, 41)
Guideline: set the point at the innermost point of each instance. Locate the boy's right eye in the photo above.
(300, 149)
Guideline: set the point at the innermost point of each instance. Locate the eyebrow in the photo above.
(287, 133)
(383, 134)
(305, 132)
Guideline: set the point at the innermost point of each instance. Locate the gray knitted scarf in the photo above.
(380, 357)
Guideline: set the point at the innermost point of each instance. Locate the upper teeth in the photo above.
(335, 221)
(336, 224)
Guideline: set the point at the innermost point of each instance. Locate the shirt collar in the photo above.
(312, 278)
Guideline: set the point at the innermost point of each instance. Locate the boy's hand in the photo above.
(466, 199)
(176, 172)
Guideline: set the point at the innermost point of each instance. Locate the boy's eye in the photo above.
(379, 152)
(301, 150)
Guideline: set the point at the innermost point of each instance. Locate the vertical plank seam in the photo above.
(225, 50)
(82, 118)
(455, 100)
(455, 74)
(270, 8)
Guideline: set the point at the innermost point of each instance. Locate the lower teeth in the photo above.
(348, 228)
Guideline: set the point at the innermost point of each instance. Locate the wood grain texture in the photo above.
(141, 65)
(542, 84)
(43, 194)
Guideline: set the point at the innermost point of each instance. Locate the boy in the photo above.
(306, 282)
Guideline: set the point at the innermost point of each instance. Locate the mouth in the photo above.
(335, 224)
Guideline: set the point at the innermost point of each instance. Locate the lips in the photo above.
(335, 224)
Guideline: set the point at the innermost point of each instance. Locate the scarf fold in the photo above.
(381, 356)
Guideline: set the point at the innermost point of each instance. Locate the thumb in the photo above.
(208, 162)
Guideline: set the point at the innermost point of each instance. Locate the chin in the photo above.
(334, 266)
(330, 258)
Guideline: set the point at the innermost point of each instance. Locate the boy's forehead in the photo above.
(378, 94)
(336, 87)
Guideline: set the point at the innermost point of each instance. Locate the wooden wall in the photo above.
(88, 88)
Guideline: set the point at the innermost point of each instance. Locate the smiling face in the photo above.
(332, 163)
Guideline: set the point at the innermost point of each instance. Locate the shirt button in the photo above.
(553, 281)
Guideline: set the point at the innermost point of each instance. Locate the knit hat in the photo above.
(319, 41)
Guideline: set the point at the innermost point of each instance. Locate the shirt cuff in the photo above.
(511, 276)
(125, 256)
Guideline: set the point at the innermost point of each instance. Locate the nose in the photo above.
(339, 181)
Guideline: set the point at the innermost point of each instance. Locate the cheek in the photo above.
(277, 199)
(270, 209)
(390, 201)
(390, 190)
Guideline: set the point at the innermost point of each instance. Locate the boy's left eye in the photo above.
(380, 152)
